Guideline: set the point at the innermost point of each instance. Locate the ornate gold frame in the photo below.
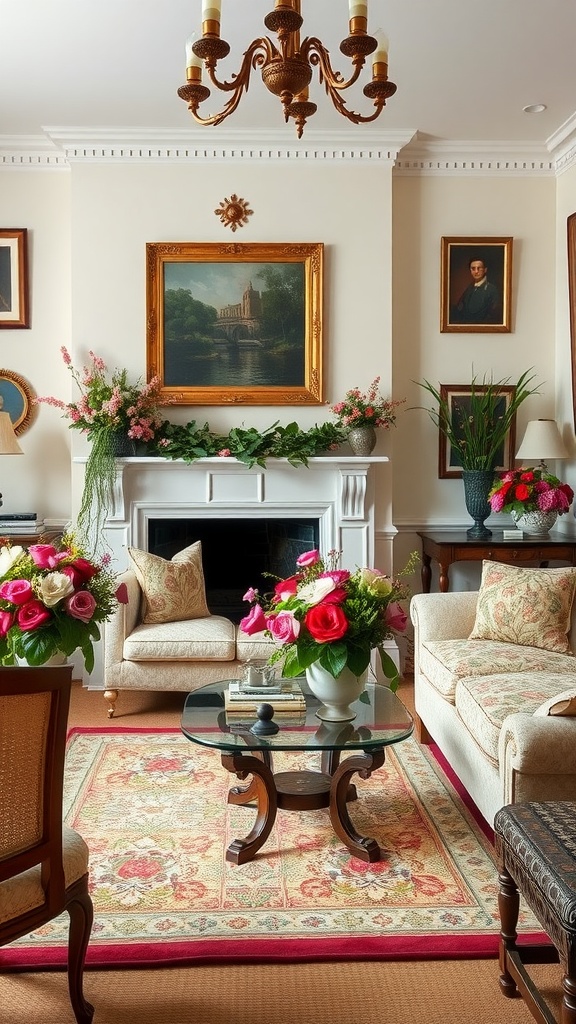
(17, 398)
(160, 255)
(450, 393)
(571, 238)
(455, 277)
(14, 306)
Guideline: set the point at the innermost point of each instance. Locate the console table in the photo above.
(446, 547)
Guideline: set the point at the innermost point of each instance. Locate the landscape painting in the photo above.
(235, 323)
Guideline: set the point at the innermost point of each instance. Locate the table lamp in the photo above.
(8, 443)
(542, 441)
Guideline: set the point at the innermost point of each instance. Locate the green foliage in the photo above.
(250, 445)
(478, 430)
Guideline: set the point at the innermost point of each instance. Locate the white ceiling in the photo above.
(464, 69)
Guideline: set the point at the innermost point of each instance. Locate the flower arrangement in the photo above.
(331, 616)
(476, 426)
(530, 490)
(366, 409)
(51, 601)
(110, 404)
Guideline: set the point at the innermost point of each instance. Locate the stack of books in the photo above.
(289, 700)
(20, 524)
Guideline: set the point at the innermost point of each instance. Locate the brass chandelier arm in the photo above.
(316, 54)
(259, 53)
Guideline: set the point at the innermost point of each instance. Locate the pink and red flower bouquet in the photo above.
(530, 490)
(331, 616)
(51, 601)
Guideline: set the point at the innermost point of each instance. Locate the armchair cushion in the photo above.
(529, 607)
(172, 590)
(207, 639)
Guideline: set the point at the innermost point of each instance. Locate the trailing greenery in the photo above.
(249, 445)
(476, 425)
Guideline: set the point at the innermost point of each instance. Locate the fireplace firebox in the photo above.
(236, 553)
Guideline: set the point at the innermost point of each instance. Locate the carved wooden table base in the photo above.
(300, 791)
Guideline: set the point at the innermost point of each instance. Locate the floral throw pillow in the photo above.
(171, 590)
(531, 607)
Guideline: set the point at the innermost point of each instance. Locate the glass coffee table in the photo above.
(381, 720)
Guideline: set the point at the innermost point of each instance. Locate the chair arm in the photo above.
(443, 616)
(123, 621)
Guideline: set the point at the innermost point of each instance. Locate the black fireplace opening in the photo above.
(237, 553)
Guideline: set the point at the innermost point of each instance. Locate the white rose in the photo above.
(54, 587)
(316, 591)
(8, 556)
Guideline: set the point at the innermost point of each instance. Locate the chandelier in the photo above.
(286, 66)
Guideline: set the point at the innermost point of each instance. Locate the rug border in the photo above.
(174, 954)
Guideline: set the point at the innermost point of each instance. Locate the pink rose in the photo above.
(337, 596)
(16, 591)
(250, 594)
(283, 626)
(308, 558)
(338, 575)
(6, 622)
(121, 594)
(497, 501)
(396, 617)
(81, 605)
(254, 622)
(32, 615)
(45, 556)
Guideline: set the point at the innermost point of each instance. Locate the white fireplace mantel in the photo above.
(338, 491)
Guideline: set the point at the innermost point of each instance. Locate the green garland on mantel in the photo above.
(250, 445)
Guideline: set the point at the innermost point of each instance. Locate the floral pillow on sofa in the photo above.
(531, 607)
(172, 590)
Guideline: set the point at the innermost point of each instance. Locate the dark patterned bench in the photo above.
(536, 848)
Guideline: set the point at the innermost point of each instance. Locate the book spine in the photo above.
(279, 709)
(17, 517)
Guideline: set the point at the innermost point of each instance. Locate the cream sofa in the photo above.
(181, 655)
(491, 707)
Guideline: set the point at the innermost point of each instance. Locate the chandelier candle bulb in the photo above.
(192, 61)
(357, 10)
(381, 53)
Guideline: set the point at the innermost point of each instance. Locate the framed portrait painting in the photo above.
(476, 285)
(458, 398)
(16, 398)
(238, 323)
(14, 307)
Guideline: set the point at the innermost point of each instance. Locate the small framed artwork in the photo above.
(238, 323)
(17, 399)
(571, 228)
(476, 285)
(459, 399)
(14, 310)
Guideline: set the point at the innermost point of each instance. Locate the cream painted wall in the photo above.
(39, 200)
(425, 209)
(117, 209)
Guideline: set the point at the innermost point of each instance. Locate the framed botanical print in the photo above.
(458, 398)
(476, 285)
(14, 309)
(238, 323)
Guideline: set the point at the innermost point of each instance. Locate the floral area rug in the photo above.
(152, 808)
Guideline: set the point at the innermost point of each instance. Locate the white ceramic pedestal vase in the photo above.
(57, 659)
(336, 694)
(535, 524)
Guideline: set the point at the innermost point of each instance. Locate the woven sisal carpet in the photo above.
(152, 808)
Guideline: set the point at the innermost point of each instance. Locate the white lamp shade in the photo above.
(542, 441)
(8, 443)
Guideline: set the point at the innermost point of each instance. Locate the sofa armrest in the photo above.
(122, 622)
(537, 756)
(443, 616)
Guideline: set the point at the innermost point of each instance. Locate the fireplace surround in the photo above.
(334, 494)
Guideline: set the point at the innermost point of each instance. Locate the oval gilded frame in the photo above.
(17, 399)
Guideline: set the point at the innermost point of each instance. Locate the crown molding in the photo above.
(406, 151)
(483, 158)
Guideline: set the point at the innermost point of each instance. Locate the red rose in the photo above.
(254, 622)
(528, 476)
(326, 622)
(6, 621)
(286, 588)
(32, 615)
(85, 569)
(521, 493)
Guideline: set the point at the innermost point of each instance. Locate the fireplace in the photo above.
(244, 554)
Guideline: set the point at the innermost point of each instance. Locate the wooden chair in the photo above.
(43, 863)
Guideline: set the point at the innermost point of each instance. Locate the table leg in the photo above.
(443, 580)
(262, 789)
(426, 573)
(361, 846)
